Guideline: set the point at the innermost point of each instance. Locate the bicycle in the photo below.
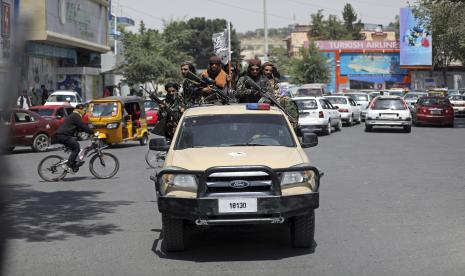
(99, 162)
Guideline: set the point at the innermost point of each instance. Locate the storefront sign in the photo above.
(82, 19)
(415, 41)
(356, 45)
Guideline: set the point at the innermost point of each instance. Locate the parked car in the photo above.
(458, 104)
(27, 128)
(64, 97)
(348, 108)
(311, 89)
(362, 99)
(434, 110)
(412, 97)
(389, 111)
(151, 111)
(318, 114)
(56, 112)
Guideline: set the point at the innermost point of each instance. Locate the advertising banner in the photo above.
(371, 64)
(415, 41)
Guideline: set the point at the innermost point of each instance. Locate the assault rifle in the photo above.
(211, 83)
(266, 95)
(159, 101)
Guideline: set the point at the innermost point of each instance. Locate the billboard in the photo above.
(415, 41)
(371, 64)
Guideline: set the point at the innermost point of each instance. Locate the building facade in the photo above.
(8, 17)
(65, 39)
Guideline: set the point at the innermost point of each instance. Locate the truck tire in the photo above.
(173, 234)
(303, 230)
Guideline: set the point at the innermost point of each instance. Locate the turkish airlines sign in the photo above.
(357, 45)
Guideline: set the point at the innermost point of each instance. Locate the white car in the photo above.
(350, 112)
(389, 111)
(64, 97)
(318, 114)
(362, 99)
(412, 97)
(458, 103)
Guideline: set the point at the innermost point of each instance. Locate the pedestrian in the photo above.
(44, 93)
(245, 92)
(117, 90)
(106, 92)
(24, 101)
(215, 72)
(191, 90)
(35, 99)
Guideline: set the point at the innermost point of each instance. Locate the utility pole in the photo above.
(265, 29)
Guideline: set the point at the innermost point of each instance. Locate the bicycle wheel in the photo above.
(104, 166)
(48, 169)
(155, 159)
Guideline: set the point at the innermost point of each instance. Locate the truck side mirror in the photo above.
(158, 144)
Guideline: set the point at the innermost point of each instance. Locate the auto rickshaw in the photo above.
(120, 119)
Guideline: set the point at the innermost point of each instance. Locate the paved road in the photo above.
(391, 204)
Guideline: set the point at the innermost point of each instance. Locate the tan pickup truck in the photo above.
(236, 164)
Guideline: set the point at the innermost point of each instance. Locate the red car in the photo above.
(151, 112)
(27, 128)
(56, 112)
(434, 110)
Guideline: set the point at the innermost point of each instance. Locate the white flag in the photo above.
(220, 46)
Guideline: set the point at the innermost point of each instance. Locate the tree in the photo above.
(201, 47)
(280, 58)
(318, 30)
(312, 67)
(335, 29)
(350, 17)
(445, 20)
(144, 57)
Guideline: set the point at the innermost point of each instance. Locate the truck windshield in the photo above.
(234, 130)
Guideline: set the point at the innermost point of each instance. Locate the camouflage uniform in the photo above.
(289, 105)
(168, 117)
(245, 93)
(191, 93)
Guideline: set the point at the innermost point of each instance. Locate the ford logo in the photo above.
(239, 184)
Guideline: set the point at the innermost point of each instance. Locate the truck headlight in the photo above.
(296, 177)
(180, 180)
(112, 125)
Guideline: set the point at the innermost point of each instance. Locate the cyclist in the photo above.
(67, 133)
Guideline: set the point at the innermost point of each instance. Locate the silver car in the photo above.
(362, 100)
(317, 113)
(389, 111)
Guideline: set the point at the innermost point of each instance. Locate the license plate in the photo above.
(435, 112)
(237, 205)
(389, 116)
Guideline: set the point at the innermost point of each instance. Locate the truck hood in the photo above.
(204, 158)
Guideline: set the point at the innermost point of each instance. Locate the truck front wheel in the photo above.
(303, 230)
(173, 234)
